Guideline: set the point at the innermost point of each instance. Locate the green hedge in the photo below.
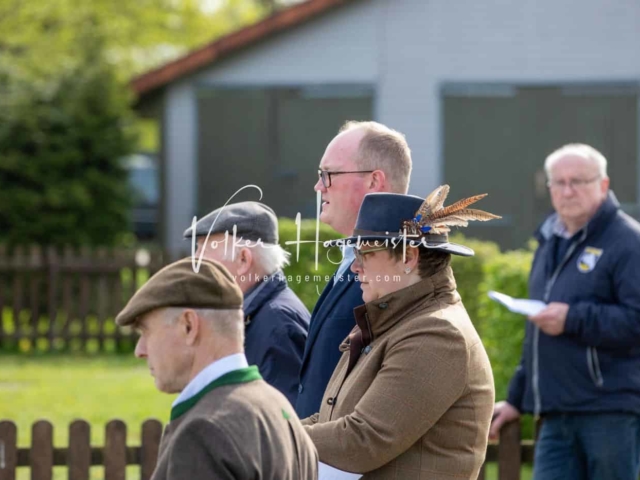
(304, 277)
(501, 331)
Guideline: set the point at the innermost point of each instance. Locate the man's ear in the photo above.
(378, 182)
(190, 325)
(604, 186)
(244, 260)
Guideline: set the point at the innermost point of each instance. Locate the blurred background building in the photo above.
(483, 91)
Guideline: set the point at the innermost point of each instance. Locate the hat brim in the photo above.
(448, 247)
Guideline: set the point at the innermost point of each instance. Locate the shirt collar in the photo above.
(559, 229)
(211, 373)
(348, 257)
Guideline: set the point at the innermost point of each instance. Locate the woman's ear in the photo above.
(411, 259)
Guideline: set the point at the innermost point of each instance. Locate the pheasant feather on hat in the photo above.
(433, 218)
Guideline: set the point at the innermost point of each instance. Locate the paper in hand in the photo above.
(327, 472)
(518, 305)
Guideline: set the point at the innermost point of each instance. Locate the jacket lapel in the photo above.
(330, 296)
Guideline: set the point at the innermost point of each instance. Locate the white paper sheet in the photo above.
(327, 472)
(518, 305)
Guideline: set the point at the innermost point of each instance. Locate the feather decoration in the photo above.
(432, 218)
(433, 202)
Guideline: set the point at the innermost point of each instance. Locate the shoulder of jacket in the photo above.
(440, 322)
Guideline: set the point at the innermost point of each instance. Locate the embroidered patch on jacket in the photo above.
(588, 259)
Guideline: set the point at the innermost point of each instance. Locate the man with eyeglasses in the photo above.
(364, 157)
(580, 367)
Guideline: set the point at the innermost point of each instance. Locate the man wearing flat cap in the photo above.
(244, 238)
(227, 423)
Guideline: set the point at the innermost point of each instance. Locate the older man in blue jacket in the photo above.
(276, 321)
(580, 368)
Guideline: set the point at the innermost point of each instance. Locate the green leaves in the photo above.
(62, 137)
(137, 35)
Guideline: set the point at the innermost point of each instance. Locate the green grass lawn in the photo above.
(61, 389)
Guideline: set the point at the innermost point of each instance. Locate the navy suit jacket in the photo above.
(331, 322)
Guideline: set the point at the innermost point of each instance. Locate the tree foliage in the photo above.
(62, 138)
(138, 35)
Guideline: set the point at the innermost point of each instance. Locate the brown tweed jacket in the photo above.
(418, 402)
(237, 432)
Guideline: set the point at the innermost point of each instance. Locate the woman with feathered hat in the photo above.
(413, 394)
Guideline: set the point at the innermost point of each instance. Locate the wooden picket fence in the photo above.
(79, 456)
(52, 299)
(115, 456)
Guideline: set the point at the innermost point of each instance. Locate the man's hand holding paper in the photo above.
(549, 318)
(518, 305)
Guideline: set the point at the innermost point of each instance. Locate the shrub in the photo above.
(304, 278)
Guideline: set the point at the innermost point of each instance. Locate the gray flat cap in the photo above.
(254, 221)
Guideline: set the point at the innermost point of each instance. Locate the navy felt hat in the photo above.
(392, 218)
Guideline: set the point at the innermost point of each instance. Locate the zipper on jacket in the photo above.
(594, 366)
(537, 403)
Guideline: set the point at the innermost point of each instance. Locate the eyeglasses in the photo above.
(573, 184)
(360, 254)
(325, 175)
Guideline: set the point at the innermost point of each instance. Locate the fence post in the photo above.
(85, 292)
(481, 472)
(102, 294)
(41, 451)
(79, 454)
(115, 450)
(34, 270)
(151, 435)
(68, 294)
(8, 450)
(118, 294)
(17, 290)
(3, 289)
(51, 273)
(509, 452)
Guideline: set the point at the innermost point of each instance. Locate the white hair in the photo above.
(267, 257)
(580, 150)
(270, 258)
(229, 323)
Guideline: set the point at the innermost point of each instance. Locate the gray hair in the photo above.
(383, 148)
(228, 323)
(268, 257)
(580, 150)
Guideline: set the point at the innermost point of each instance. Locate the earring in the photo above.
(407, 270)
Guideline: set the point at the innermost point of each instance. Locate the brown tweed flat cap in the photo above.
(177, 285)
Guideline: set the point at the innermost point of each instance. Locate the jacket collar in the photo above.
(262, 292)
(376, 317)
(607, 210)
(232, 377)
